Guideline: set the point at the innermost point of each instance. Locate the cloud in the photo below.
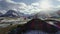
(7, 5)
(58, 0)
(43, 5)
(58, 7)
(22, 7)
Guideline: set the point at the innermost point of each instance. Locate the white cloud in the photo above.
(10, 1)
(8, 5)
(58, 6)
(58, 0)
(28, 9)
(45, 5)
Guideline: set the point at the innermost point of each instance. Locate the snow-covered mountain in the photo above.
(11, 13)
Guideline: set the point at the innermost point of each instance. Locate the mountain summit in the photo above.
(11, 13)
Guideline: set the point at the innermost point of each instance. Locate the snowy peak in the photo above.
(11, 13)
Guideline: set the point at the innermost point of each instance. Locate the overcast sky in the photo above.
(29, 6)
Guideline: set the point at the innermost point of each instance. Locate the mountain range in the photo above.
(13, 13)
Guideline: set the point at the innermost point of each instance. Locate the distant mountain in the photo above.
(47, 15)
(11, 13)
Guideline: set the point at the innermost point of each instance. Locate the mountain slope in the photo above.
(11, 13)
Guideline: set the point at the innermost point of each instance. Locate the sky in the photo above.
(29, 6)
